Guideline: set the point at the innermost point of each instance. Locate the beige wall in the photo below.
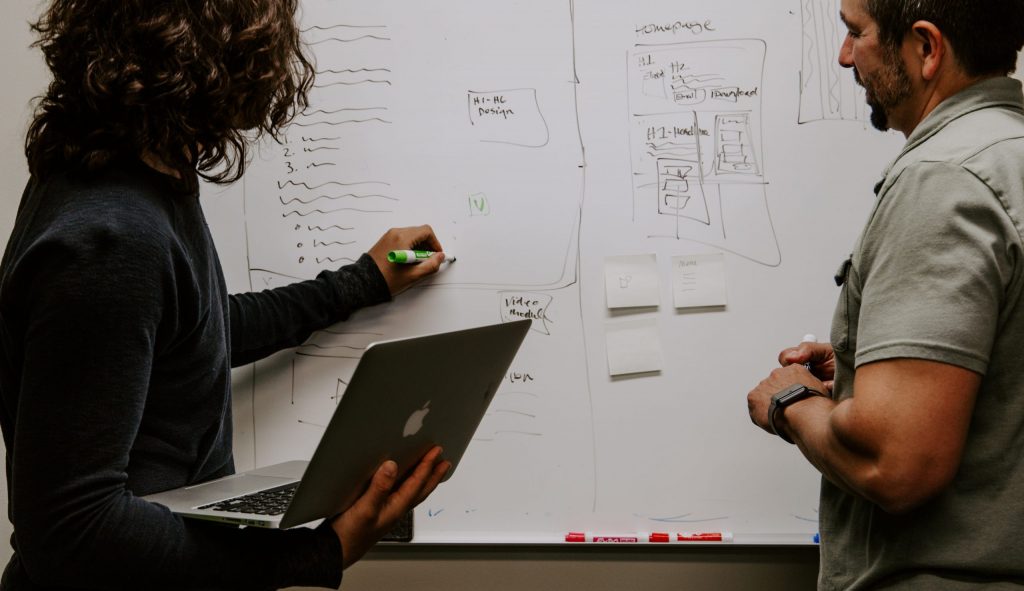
(22, 76)
(431, 568)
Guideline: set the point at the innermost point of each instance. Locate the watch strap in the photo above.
(784, 398)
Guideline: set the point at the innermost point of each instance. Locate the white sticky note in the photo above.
(633, 347)
(631, 281)
(698, 280)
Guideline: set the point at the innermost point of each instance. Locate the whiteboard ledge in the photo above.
(470, 538)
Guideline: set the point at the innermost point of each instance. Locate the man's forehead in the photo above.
(852, 10)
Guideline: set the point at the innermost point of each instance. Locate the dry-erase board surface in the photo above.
(573, 155)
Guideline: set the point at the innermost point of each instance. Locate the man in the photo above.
(116, 332)
(920, 443)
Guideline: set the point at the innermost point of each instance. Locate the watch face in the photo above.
(791, 394)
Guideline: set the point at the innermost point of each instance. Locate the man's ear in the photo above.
(930, 48)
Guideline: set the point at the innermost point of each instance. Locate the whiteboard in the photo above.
(539, 138)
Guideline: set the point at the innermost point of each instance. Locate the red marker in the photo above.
(576, 537)
(647, 538)
(704, 537)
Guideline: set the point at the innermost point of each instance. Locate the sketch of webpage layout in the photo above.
(425, 113)
(698, 164)
(422, 114)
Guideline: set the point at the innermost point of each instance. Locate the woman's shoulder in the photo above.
(121, 220)
(125, 204)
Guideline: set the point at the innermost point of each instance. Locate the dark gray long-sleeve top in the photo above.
(117, 337)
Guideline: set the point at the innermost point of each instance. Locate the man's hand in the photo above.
(380, 507)
(400, 276)
(820, 357)
(760, 398)
(897, 442)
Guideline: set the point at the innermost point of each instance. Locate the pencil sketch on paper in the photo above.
(698, 166)
(827, 90)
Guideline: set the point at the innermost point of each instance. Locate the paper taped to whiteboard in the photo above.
(633, 347)
(632, 281)
(698, 280)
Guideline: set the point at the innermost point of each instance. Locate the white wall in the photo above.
(24, 76)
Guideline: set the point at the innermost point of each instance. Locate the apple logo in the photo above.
(415, 421)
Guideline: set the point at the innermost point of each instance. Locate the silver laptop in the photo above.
(405, 396)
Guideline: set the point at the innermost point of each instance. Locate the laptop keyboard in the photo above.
(272, 501)
(275, 501)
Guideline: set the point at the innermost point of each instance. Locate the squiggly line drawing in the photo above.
(318, 197)
(333, 260)
(353, 40)
(281, 185)
(333, 111)
(353, 83)
(663, 144)
(707, 81)
(330, 211)
(665, 154)
(336, 123)
(353, 71)
(343, 26)
(324, 229)
(318, 244)
(514, 412)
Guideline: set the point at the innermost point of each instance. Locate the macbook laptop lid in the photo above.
(405, 396)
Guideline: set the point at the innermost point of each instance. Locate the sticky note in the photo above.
(698, 280)
(634, 346)
(631, 281)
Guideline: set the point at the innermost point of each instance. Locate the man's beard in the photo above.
(889, 87)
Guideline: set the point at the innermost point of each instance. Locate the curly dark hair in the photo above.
(187, 82)
(985, 34)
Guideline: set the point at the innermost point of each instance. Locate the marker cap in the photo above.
(404, 256)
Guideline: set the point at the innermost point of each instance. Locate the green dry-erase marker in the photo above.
(409, 256)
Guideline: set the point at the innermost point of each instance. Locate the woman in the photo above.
(116, 331)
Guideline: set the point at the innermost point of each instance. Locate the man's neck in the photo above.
(932, 96)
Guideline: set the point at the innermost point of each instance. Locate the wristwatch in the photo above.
(784, 398)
